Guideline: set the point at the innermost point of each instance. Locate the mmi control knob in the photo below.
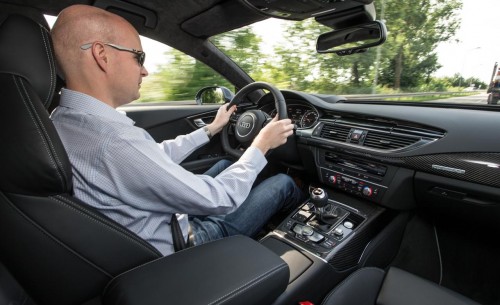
(367, 191)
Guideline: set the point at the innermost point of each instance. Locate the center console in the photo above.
(356, 219)
(324, 240)
(320, 225)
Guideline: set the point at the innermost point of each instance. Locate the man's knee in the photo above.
(284, 180)
(284, 184)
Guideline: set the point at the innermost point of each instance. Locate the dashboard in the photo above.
(398, 156)
(302, 114)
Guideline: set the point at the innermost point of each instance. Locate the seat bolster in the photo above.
(361, 287)
(401, 287)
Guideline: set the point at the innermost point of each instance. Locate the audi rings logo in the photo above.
(244, 125)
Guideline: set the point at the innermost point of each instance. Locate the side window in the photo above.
(173, 75)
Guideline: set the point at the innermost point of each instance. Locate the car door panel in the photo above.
(167, 122)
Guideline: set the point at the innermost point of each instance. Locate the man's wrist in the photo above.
(208, 132)
(263, 149)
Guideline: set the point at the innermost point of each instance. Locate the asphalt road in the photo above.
(479, 98)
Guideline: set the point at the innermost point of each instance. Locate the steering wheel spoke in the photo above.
(246, 127)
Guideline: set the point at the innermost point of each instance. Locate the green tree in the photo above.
(179, 79)
(415, 29)
(243, 47)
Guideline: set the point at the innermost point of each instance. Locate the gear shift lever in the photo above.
(327, 215)
(319, 198)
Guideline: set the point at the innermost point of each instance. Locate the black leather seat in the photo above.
(394, 287)
(59, 249)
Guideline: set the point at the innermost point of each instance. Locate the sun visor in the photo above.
(300, 9)
(221, 18)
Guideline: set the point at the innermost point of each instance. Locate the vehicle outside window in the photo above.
(439, 56)
(442, 56)
(176, 77)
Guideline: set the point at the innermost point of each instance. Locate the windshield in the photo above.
(439, 51)
(436, 51)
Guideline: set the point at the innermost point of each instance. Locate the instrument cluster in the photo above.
(304, 116)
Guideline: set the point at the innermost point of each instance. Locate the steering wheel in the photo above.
(249, 124)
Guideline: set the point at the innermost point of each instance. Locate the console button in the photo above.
(338, 231)
(348, 224)
(307, 207)
(367, 191)
(332, 179)
(301, 216)
(328, 244)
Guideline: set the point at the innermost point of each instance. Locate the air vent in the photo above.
(420, 132)
(375, 134)
(335, 132)
(388, 141)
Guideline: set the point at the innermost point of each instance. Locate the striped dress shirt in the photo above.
(121, 170)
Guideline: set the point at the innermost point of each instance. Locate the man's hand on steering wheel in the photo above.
(221, 118)
(274, 134)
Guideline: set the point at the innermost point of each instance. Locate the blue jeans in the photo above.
(274, 194)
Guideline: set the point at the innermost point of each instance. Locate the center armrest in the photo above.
(234, 270)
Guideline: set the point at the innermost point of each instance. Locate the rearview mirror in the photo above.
(353, 39)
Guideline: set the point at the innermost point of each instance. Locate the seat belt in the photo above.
(177, 237)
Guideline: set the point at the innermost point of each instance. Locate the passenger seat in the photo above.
(394, 287)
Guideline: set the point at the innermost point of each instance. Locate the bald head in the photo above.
(81, 24)
(107, 68)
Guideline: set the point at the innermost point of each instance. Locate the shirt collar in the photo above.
(92, 106)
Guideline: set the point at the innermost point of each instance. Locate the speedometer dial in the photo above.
(309, 119)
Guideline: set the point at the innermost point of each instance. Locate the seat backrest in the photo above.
(59, 249)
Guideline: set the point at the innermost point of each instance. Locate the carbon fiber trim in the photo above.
(348, 256)
(483, 168)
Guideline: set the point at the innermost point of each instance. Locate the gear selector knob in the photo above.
(319, 198)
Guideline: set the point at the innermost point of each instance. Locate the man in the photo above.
(119, 169)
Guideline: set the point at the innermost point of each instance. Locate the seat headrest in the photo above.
(27, 52)
(32, 157)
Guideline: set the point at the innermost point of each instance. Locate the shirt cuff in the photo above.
(200, 136)
(255, 156)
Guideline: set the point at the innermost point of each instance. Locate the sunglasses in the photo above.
(139, 55)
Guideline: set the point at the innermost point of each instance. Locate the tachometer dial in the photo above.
(309, 119)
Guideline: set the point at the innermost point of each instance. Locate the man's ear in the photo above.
(100, 55)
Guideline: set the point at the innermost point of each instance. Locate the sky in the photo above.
(474, 54)
(479, 47)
